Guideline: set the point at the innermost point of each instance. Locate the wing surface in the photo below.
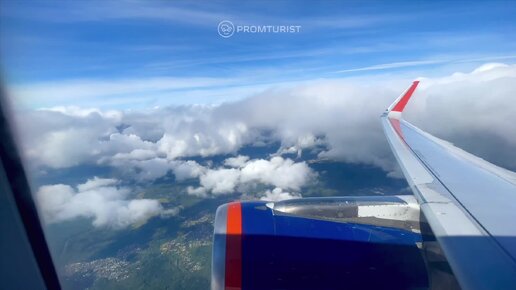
(469, 203)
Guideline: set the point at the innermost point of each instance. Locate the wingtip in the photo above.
(399, 105)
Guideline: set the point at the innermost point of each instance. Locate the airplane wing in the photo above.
(458, 230)
(469, 203)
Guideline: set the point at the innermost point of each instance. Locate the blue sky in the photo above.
(127, 54)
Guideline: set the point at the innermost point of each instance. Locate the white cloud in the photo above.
(99, 199)
(136, 154)
(277, 194)
(297, 145)
(280, 172)
(151, 169)
(220, 181)
(96, 182)
(171, 211)
(277, 172)
(75, 111)
(236, 162)
(203, 138)
(147, 166)
(197, 191)
(187, 169)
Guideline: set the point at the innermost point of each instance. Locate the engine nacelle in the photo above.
(319, 243)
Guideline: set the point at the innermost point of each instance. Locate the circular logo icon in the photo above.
(226, 28)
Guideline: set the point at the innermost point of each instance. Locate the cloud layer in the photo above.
(338, 115)
(333, 119)
(99, 199)
(277, 194)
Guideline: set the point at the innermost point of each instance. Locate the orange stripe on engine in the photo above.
(233, 276)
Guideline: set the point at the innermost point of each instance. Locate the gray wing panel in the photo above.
(469, 203)
(488, 197)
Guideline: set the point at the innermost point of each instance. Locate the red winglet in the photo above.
(406, 97)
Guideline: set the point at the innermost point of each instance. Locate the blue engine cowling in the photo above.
(319, 243)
